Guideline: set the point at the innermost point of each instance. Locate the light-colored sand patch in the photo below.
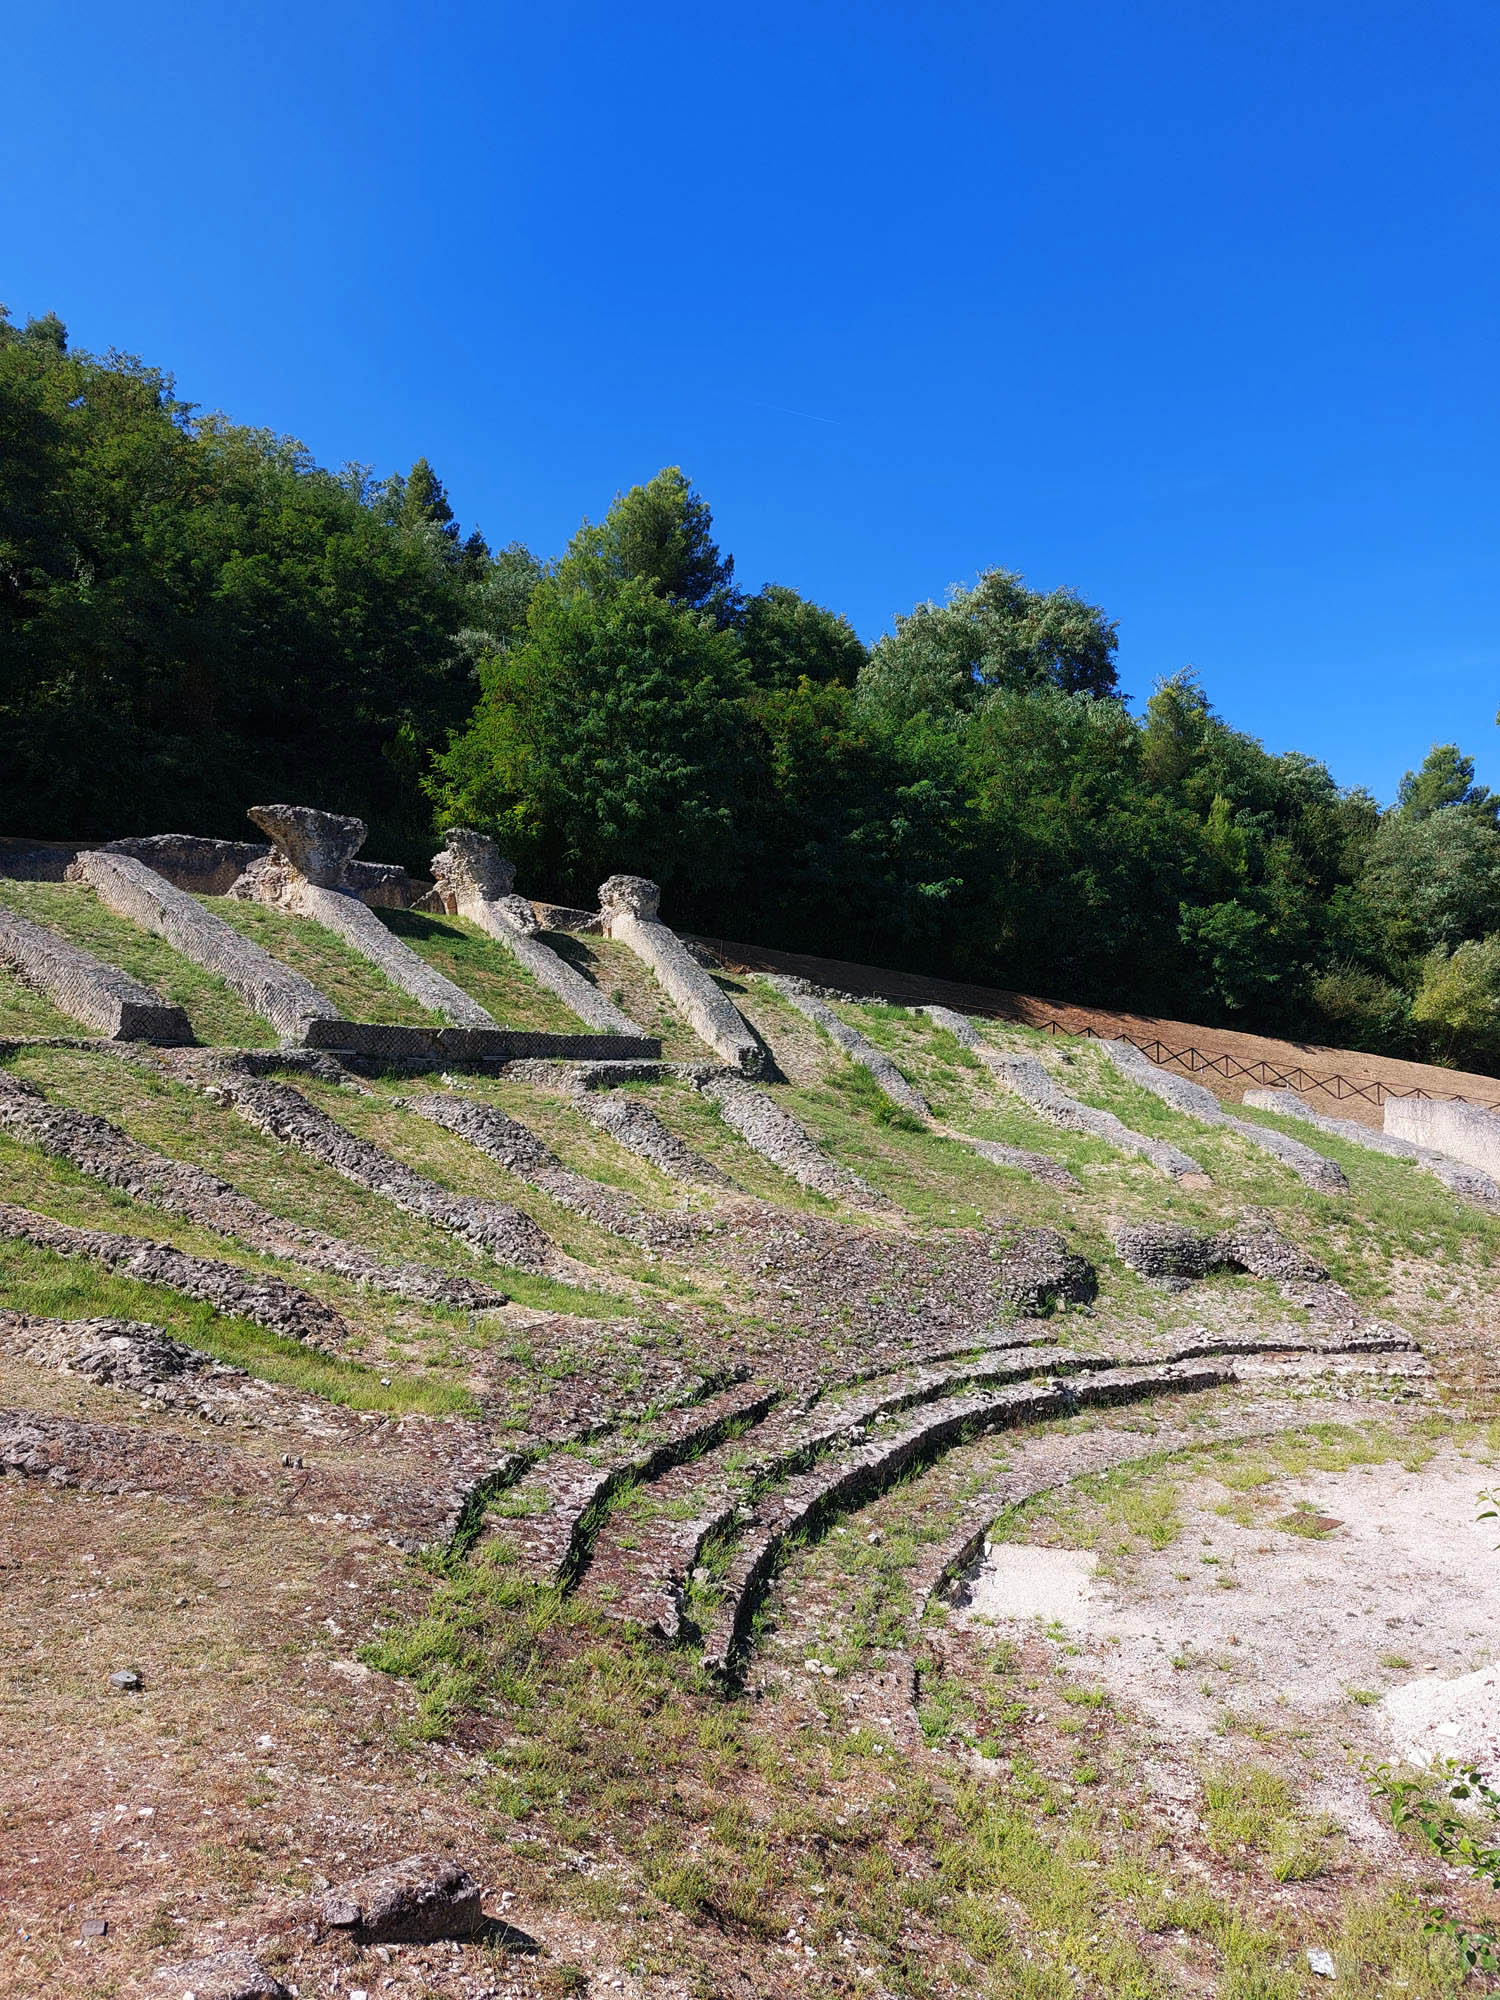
(1022, 1581)
(1362, 1643)
(1432, 1719)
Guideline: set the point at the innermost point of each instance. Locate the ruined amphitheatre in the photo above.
(544, 1456)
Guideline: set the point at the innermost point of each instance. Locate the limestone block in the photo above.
(628, 905)
(319, 845)
(1463, 1131)
(306, 873)
(424, 1897)
(100, 996)
(471, 865)
(475, 881)
(272, 990)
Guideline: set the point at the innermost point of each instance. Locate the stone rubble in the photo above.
(234, 1974)
(1031, 1083)
(809, 1000)
(283, 1113)
(270, 1302)
(509, 1143)
(139, 1359)
(769, 1129)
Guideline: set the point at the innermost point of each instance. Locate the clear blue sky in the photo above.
(1191, 307)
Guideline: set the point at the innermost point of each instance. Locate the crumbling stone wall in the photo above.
(771, 1130)
(272, 990)
(628, 906)
(809, 1001)
(100, 996)
(1314, 1168)
(306, 872)
(1026, 1077)
(474, 880)
(227, 1288)
(285, 1114)
(104, 1153)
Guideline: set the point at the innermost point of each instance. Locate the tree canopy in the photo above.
(195, 615)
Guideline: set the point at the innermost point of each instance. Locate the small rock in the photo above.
(127, 1681)
(95, 1927)
(426, 1896)
(223, 1975)
(1321, 1962)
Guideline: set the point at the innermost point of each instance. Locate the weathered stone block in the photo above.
(628, 905)
(282, 997)
(100, 996)
(319, 845)
(415, 1901)
(1464, 1131)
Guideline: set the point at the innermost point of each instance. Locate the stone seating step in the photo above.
(270, 1302)
(803, 1503)
(549, 1516)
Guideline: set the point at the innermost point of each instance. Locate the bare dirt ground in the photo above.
(1331, 1614)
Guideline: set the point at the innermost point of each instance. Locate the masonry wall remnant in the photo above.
(1447, 1125)
(100, 996)
(475, 881)
(283, 997)
(858, 1048)
(1026, 1077)
(1315, 1168)
(629, 906)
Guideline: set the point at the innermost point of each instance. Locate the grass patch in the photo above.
(49, 1286)
(482, 966)
(74, 912)
(26, 1013)
(356, 986)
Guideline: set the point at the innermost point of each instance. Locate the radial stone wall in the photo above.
(279, 995)
(100, 996)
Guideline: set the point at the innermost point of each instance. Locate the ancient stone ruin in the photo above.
(639, 1462)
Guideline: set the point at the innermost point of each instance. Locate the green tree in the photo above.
(243, 622)
(661, 534)
(942, 660)
(787, 638)
(609, 738)
(1445, 778)
(1432, 881)
(1457, 1002)
(859, 852)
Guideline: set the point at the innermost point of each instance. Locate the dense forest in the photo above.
(195, 616)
